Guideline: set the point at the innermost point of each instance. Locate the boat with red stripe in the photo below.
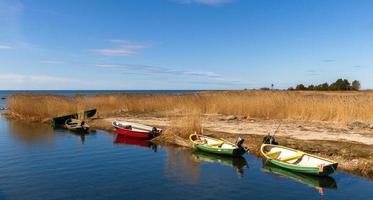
(136, 130)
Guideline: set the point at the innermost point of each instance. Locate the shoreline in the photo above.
(352, 148)
(353, 157)
(335, 125)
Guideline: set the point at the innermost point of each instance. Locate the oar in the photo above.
(276, 130)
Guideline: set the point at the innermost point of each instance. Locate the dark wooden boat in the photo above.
(76, 125)
(60, 121)
(136, 130)
(89, 113)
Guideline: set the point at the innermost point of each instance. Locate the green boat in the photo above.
(217, 146)
(238, 163)
(313, 181)
(297, 161)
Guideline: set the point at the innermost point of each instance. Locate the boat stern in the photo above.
(328, 169)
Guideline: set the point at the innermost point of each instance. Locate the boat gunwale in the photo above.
(139, 130)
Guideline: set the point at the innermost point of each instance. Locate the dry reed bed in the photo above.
(324, 106)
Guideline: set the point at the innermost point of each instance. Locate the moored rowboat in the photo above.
(297, 161)
(76, 125)
(217, 146)
(136, 130)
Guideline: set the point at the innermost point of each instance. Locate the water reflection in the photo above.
(180, 165)
(132, 141)
(81, 135)
(238, 163)
(317, 182)
(30, 132)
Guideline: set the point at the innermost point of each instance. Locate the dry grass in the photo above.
(40, 107)
(185, 125)
(180, 128)
(324, 106)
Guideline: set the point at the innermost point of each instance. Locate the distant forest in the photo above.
(339, 85)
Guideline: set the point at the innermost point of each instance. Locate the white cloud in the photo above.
(108, 65)
(206, 2)
(122, 48)
(21, 78)
(203, 74)
(5, 47)
(160, 70)
(51, 62)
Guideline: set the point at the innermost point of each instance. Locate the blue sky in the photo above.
(183, 44)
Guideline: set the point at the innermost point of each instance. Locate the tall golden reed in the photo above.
(325, 106)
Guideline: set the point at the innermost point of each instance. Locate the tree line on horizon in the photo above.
(338, 85)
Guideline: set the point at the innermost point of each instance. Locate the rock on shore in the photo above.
(359, 124)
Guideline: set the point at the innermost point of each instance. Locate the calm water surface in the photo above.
(37, 162)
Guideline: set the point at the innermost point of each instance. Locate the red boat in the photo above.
(132, 141)
(136, 130)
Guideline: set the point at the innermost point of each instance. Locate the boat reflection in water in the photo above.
(31, 132)
(317, 182)
(119, 139)
(238, 163)
(81, 134)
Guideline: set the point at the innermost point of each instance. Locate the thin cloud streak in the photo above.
(5, 47)
(312, 72)
(206, 76)
(22, 78)
(161, 70)
(122, 48)
(225, 82)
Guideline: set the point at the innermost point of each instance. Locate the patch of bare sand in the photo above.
(299, 130)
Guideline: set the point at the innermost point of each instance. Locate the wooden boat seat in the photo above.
(200, 141)
(219, 144)
(274, 154)
(296, 156)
